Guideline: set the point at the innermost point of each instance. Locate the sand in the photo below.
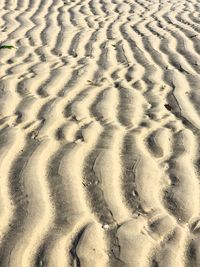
(99, 133)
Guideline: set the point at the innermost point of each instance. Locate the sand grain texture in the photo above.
(100, 133)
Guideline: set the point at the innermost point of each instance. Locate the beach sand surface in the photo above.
(100, 133)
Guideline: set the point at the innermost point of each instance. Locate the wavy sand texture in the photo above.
(100, 133)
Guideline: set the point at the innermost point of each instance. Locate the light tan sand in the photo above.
(100, 133)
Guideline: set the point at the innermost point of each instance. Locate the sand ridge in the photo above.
(99, 133)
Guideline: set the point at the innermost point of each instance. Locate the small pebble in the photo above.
(133, 193)
(105, 226)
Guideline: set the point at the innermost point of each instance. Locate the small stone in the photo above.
(133, 193)
(105, 226)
